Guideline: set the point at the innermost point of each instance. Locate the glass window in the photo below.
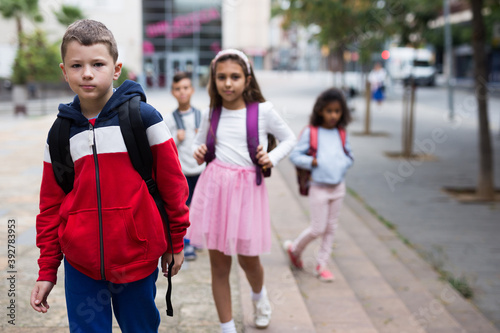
(189, 28)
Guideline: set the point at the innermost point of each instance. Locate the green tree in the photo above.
(409, 20)
(19, 9)
(37, 60)
(68, 14)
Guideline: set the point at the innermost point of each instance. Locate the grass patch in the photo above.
(460, 284)
(353, 193)
(380, 218)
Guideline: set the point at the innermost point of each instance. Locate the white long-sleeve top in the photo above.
(231, 140)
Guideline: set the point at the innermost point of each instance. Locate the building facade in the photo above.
(156, 38)
(185, 35)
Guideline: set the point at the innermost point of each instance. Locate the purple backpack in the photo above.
(252, 137)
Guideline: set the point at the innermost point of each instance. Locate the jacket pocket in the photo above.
(122, 243)
(80, 238)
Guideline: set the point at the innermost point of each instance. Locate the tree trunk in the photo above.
(485, 187)
(19, 98)
(340, 56)
(19, 24)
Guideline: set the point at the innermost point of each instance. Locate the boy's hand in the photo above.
(263, 158)
(314, 162)
(166, 259)
(181, 134)
(199, 154)
(39, 296)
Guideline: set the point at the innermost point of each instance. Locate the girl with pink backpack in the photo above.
(230, 209)
(324, 149)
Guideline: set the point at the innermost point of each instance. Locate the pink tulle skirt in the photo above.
(229, 212)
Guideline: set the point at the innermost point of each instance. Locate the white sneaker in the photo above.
(262, 312)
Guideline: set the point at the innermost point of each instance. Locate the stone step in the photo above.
(333, 307)
(290, 313)
(397, 289)
(385, 309)
(434, 303)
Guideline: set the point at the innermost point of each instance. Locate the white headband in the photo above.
(235, 52)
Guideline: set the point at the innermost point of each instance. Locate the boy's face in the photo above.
(182, 91)
(90, 71)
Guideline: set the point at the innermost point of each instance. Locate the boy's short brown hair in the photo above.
(180, 76)
(89, 32)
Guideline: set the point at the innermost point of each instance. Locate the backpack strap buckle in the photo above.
(151, 185)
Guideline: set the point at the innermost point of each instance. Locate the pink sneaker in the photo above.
(295, 260)
(324, 274)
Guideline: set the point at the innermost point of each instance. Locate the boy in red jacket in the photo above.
(108, 228)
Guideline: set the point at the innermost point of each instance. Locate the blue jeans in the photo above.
(89, 303)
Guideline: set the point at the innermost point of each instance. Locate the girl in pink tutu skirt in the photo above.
(230, 208)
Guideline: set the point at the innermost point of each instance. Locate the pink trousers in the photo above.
(325, 202)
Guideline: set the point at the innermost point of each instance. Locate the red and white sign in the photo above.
(182, 25)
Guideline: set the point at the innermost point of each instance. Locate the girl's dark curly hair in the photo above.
(251, 93)
(325, 98)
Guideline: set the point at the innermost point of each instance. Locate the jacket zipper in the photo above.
(98, 189)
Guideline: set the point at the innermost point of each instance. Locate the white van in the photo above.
(407, 62)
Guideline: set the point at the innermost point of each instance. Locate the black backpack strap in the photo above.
(178, 120)
(60, 155)
(134, 135)
(136, 140)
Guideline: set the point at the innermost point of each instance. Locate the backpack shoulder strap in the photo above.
(253, 139)
(134, 135)
(137, 143)
(343, 134)
(178, 120)
(197, 118)
(313, 141)
(60, 154)
(214, 123)
(253, 130)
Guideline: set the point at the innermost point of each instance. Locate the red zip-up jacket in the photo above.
(108, 227)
